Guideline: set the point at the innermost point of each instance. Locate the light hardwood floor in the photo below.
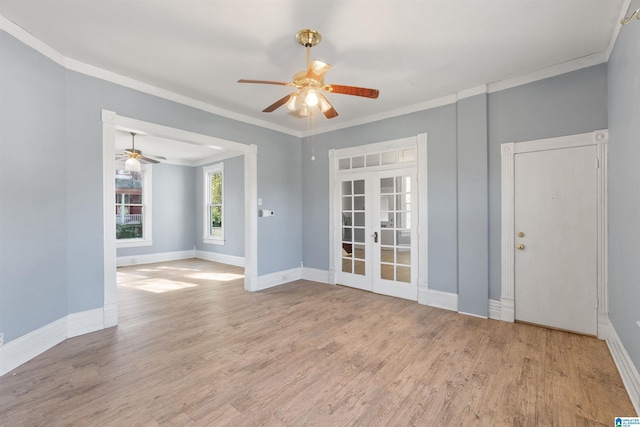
(193, 348)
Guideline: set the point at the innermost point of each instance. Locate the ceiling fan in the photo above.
(310, 84)
(134, 157)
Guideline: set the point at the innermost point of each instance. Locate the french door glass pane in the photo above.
(353, 223)
(395, 224)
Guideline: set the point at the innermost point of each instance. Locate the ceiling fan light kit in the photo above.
(310, 84)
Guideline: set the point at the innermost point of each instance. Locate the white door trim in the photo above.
(112, 121)
(600, 138)
(420, 143)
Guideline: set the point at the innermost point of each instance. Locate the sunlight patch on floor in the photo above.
(170, 268)
(221, 277)
(165, 268)
(158, 286)
(128, 277)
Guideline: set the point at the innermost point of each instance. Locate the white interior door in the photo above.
(378, 232)
(394, 234)
(355, 242)
(556, 238)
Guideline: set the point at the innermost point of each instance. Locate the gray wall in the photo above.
(233, 209)
(624, 189)
(172, 213)
(55, 222)
(33, 191)
(473, 206)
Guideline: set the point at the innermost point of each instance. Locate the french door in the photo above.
(377, 213)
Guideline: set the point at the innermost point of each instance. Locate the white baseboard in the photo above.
(85, 322)
(473, 315)
(24, 348)
(626, 368)
(151, 258)
(278, 278)
(178, 255)
(439, 299)
(495, 309)
(507, 310)
(221, 258)
(315, 275)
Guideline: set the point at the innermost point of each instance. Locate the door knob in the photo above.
(520, 234)
(375, 237)
(520, 246)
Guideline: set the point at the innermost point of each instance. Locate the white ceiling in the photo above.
(412, 51)
(175, 152)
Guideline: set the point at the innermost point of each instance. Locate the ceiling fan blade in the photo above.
(353, 90)
(330, 113)
(153, 156)
(317, 70)
(279, 103)
(264, 82)
(128, 153)
(148, 160)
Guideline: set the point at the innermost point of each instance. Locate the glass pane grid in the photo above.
(353, 225)
(395, 224)
(392, 157)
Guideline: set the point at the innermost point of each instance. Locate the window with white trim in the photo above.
(133, 207)
(214, 204)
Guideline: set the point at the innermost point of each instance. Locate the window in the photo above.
(214, 204)
(133, 208)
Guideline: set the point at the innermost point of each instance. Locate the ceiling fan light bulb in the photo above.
(324, 104)
(304, 111)
(311, 99)
(132, 165)
(291, 103)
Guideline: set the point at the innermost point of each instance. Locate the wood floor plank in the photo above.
(192, 348)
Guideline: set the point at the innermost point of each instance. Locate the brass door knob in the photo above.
(520, 246)
(520, 234)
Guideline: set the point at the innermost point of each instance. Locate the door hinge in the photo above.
(597, 163)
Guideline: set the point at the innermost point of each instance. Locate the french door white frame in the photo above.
(112, 121)
(600, 139)
(419, 142)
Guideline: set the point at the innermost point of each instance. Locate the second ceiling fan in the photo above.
(310, 84)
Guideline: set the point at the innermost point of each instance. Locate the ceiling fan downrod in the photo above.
(308, 38)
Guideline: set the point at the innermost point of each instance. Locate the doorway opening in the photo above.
(112, 122)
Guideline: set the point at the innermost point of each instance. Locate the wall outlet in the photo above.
(1, 339)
